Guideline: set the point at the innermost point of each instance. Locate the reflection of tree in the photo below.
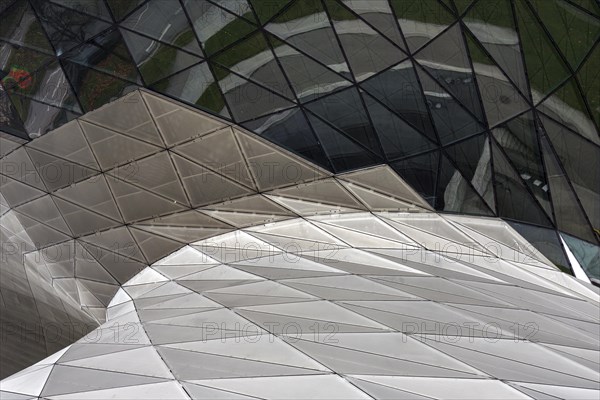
(63, 25)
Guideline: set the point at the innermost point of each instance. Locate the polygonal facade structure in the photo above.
(299, 199)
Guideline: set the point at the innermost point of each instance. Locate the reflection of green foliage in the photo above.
(236, 29)
(121, 8)
(250, 47)
(97, 89)
(427, 11)
(211, 98)
(162, 60)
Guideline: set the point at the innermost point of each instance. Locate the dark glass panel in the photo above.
(451, 120)
(399, 89)
(421, 20)
(379, 14)
(67, 28)
(574, 31)
(166, 21)
(120, 8)
(455, 194)
(545, 68)
(519, 139)
(20, 26)
(267, 9)
(215, 27)
(589, 78)
(308, 78)
(246, 99)
(318, 41)
(94, 88)
(195, 85)
(291, 130)
(546, 241)
(9, 118)
(472, 158)
(446, 59)
(587, 254)
(107, 53)
(253, 59)
(570, 217)
(513, 200)
(93, 7)
(421, 173)
(345, 111)
(39, 118)
(156, 60)
(398, 138)
(367, 51)
(344, 154)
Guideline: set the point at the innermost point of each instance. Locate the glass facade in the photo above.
(484, 107)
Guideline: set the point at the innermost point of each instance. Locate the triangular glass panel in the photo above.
(238, 7)
(12, 123)
(567, 106)
(587, 254)
(546, 241)
(136, 203)
(375, 201)
(253, 59)
(219, 152)
(545, 68)
(13, 18)
(452, 121)
(368, 52)
(484, 18)
(166, 22)
(472, 158)
(96, 8)
(195, 85)
(455, 193)
(346, 112)
(570, 217)
(500, 99)
(272, 167)
(35, 86)
(67, 28)
(526, 157)
(421, 20)
(204, 186)
(421, 173)
(156, 60)
(588, 77)
(573, 30)
(267, 11)
(191, 219)
(113, 148)
(581, 161)
(155, 174)
(399, 89)
(447, 60)
(380, 16)
(397, 137)
(248, 100)
(308, 78)
(320, 44)
(344, 154)
(215, 27)
(120, 9)
(513, 200)
(86, 83)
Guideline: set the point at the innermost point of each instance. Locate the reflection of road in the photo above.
(18, 36)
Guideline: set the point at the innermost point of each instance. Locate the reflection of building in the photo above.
(388, 109)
